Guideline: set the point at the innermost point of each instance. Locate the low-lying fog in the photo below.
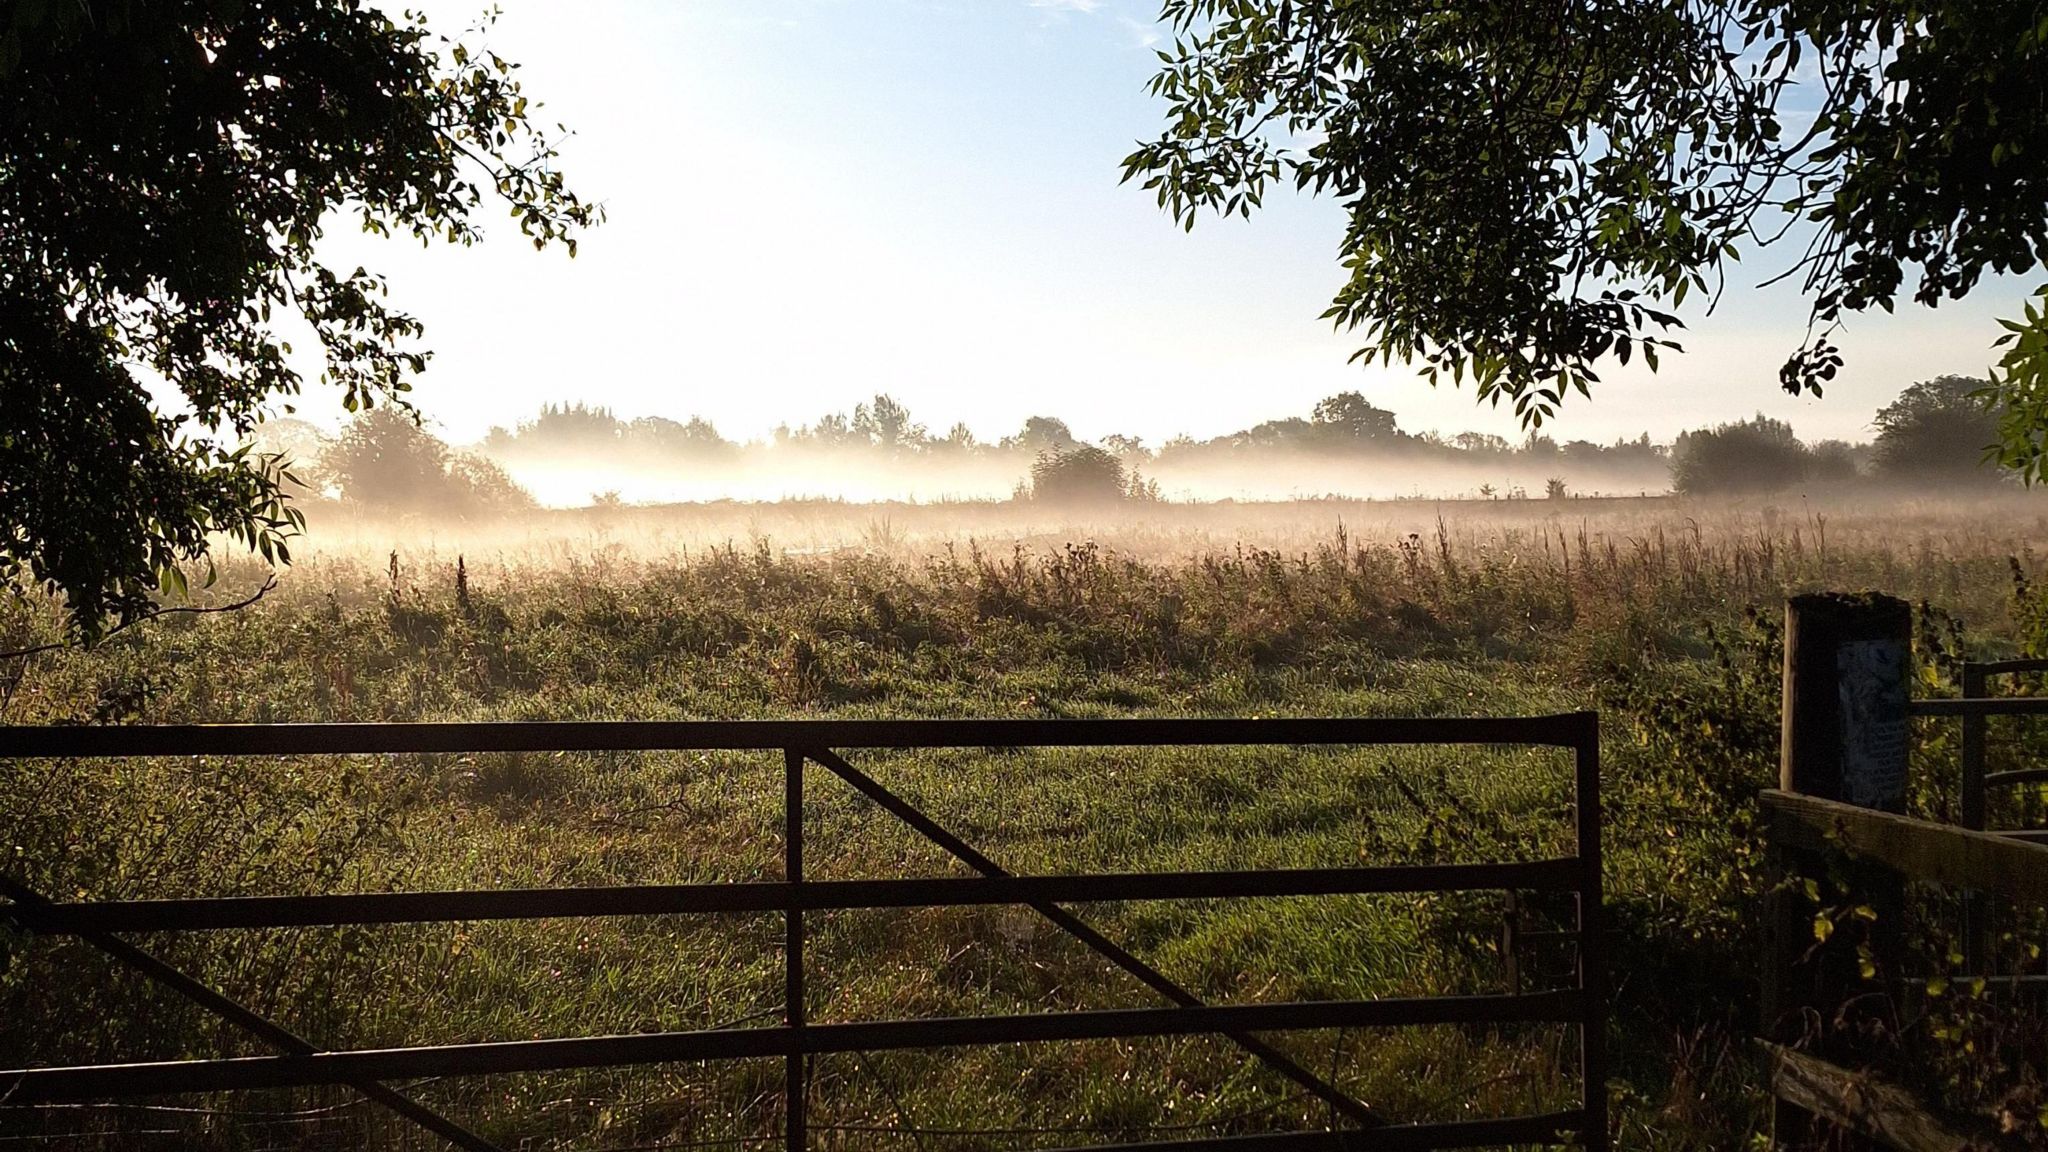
(570, 480)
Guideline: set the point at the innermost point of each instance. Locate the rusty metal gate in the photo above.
(301, 1062)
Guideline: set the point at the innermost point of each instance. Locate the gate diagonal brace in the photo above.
(1081, 930)
(277, 1036)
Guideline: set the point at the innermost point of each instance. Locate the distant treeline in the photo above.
(1936, 431)
(1344, 424)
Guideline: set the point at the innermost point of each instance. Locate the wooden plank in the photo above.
(1922, 849)
(1857, 1102)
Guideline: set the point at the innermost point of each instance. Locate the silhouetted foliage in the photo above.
(166, 172)
(1937, 429)
(1083, 474)
(1347, 415)
(1755, 455)
(886, 424)
(385, 461)
(1042, 434)
(1833, 460)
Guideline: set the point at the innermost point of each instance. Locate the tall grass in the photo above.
(1662, 620)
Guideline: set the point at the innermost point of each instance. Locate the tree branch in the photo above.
(54, 645)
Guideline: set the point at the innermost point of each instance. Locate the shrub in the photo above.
(1832, 460)
(1083, 474)
(1757, 455)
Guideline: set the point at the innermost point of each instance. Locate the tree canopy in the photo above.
(167, 170)
(1936, 430)
(385, 462)
(1534, 190)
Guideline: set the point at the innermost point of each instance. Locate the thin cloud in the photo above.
(1085, 7)
(1143, 35)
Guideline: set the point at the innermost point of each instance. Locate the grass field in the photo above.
(1657, 612)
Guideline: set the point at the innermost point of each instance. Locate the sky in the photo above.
(813, 201)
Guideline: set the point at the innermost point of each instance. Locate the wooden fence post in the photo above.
(1977, 907)
(1848, 668)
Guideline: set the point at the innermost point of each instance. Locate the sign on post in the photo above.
(1872, 687)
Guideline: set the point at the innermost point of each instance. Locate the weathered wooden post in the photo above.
(1848, 667)
(1977, 935)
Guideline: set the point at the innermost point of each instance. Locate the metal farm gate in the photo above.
(302, 1062)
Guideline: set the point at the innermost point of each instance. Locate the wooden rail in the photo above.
(302, 1063)
(1922, 849)
(1848, 1100)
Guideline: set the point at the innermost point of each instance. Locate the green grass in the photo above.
(1656, 637)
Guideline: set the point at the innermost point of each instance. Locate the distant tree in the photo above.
(697, 439)
(831, 430)
(572, 426)
(1348, 415)
(385, 461)
(1082, 474)
(479, 486)
(1126, 448)
(1288, 432)
(883, 423)
(1756, 455)
(1554, 488)
(1937, 429)
(1831, 461)
(1042, 434)
(1642, 448)
(958, 440)
(167, 172)
(1481, 443)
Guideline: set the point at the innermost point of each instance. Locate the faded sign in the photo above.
(1872, 676)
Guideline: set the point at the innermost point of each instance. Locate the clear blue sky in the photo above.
(815, 200)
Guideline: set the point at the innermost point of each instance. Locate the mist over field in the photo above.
(574, 455)
(571, 478)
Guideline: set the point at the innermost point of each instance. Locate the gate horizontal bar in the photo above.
(40, 1085)
(2005, 667)
(1542, 1129)
(1570, 729)
(776, 896)
(2016, 776)
(1980, 706)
